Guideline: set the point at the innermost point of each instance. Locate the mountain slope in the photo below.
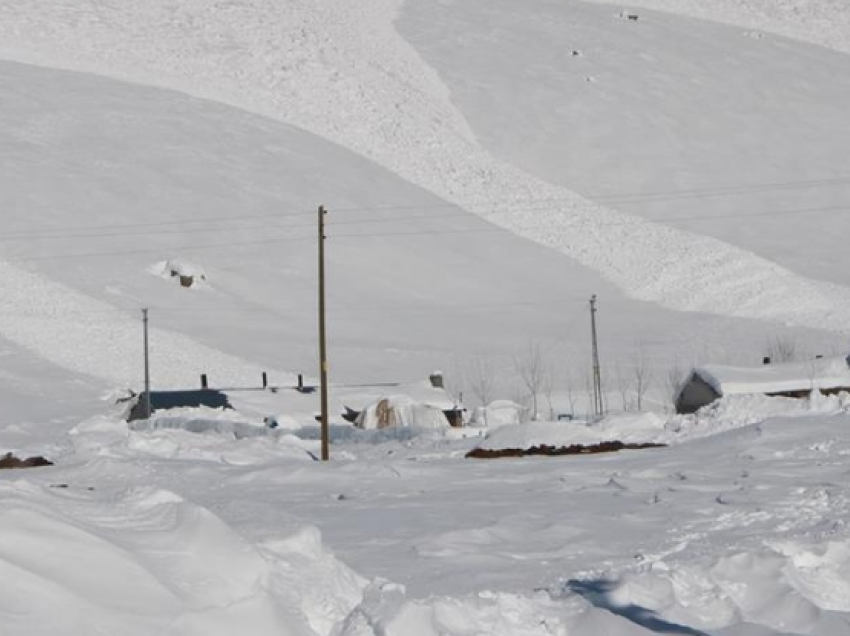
(102, 180)
(697, 125)
(344, 73)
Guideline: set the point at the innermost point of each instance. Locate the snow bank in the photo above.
(737, 411)
(187, 273)
(190, 434)
(630, 428)
(499, 413)
(387, 612)
(145, 562)
(788, 587)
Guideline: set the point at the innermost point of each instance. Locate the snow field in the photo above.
(207, 523)
(722, 533)
(299, 64)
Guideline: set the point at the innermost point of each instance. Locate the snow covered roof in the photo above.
(825, 373)
(422, 392)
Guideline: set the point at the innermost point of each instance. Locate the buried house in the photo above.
(418, 405)
(167, 400)
(706, 384)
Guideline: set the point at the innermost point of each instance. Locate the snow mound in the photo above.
(629, 428)
(190, 434)
(145, 562)
(789, 588)
(188, 274)
(499, 413)
(736, 411)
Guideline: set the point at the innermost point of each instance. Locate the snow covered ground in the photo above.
(180, 528)
(693, 174)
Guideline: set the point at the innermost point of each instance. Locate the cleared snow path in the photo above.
(341, 70)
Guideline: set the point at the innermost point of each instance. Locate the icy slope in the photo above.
(343, 72)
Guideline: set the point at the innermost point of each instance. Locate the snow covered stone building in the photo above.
(706, 384)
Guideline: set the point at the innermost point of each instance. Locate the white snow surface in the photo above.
(743, 530)
(637, 428)
(468, 117)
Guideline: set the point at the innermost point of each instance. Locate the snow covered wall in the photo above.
(343, 72)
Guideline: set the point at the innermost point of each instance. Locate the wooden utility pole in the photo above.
(323, 351)
(598, 402)
(147, 394)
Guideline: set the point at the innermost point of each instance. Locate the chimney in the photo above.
(437, 380)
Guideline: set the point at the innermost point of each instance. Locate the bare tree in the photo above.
(548, 387)
(676, 376)
(531, 369)
(623, 388)
(642, 376)
(481, 378)
(781, 349)
(588, 390)
(569, 386)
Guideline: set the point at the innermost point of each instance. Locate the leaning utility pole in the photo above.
(323, 352)
(147, 394)
(598, 402)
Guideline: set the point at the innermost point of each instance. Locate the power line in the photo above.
(158, 250)
(412, 233)
(118, 226)
(628, 197)
(52, 235)
(721, 191)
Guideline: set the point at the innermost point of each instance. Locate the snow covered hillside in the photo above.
(488, 165)
(344, 73)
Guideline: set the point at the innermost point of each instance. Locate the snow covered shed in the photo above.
(706, 384)
(419, 404)
(165, 400)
